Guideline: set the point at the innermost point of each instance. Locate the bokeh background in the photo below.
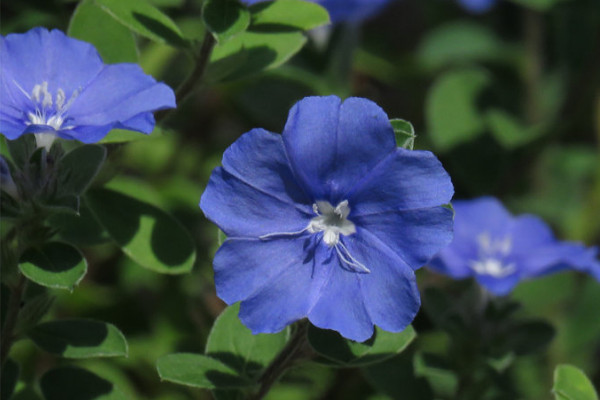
(508, 99)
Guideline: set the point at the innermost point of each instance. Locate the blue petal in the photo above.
(499, 286)
(85, 134)
(279, 297)
(240, 209)
(415, 236)
(352, 10)
(477, 6)
(341, 306)
(528, 232)
(332, 145)
(258, 159)
(404, 180)
(119, 93)
(560, 256)
(41, 56)
(390, 290)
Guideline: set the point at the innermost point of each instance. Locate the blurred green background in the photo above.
(508, 100)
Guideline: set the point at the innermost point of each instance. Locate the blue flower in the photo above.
(477, 6)
(52, 85)
(327, 221)
(500, 250)
(346, 10)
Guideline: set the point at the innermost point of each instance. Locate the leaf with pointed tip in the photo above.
(570, 383)
(55, 264)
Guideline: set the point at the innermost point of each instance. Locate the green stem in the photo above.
(296, 349)
(12, 316)
(186, 88)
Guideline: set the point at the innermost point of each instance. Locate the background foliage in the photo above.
(509, 100)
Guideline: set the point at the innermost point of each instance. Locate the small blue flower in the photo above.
(327, 221)
(346, 10)
(477, 6)
(52, 85)
(500, 250)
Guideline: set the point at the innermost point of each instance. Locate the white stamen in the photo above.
(274, 234)
(491, 255)
(45, 139)
(60, 99)
(40, 94)
(353, 262)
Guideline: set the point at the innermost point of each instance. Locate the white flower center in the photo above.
(332, 221)
(491, 256)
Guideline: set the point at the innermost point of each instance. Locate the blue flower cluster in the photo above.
(327, 221)
(500, 250)
(52, 85)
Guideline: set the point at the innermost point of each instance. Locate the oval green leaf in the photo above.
(570, 383)
(80, 338)
(114, 42)
(55, 265)
(76, 383)
(233, 344)
(145, 19)
(199, 371)
(295, 14)
(342, 352)
(405, 133)
(451, 111)
(148, 235)
(225, 18)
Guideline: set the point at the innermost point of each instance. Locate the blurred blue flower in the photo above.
(500, 250)
(477, 6)
(346, 10)
(52, 85)
(327, 221)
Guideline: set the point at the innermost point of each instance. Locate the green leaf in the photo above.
(509, 131)
(81, 229)
(9, 376)
(145, 19)
(346, 353)
(443, 381)
(80, 338)
(114, 42)
(148, 235)
(459, 42)
(75, 383)
(21, 149)
(235, 346)
(260, 51)
(225, 18)
(199, 371)
(33, 311)
(451, 112)
(570, 383)
(78, 168)
(405, 133)
(297, 14)
(55, 264)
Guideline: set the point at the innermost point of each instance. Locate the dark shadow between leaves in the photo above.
(257, 59)
(46, 257)
(246, 369)
(70, 383)
(160, 29)
(121, 216)
(54, 337)
(273, 28)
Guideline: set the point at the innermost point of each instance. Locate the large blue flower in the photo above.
(52, 85)
(327, 221)
(346, 10)
(500, 250)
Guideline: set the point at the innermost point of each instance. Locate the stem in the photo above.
(12, 316)
(186, 88)
(534, 45)
(295, 350)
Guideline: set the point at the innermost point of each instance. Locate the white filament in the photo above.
(491, 255)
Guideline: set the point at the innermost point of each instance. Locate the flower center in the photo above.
(49, 110)
(331, 221)
(491, 256)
